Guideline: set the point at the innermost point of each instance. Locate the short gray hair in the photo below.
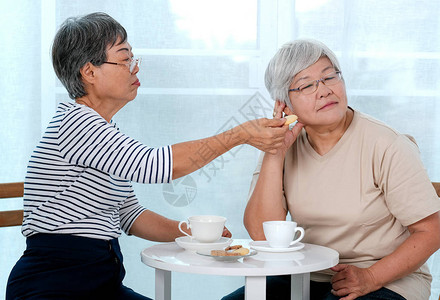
(292, 58)
(81, 40)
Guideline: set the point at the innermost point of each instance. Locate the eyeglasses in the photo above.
(131, 65)
(311, 86)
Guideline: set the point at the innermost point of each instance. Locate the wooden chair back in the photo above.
(11, 217)
(437, 189)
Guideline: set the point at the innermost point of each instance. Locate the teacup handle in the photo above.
(187, 227)
(301, 230)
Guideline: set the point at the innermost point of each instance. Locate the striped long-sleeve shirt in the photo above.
(78, 177)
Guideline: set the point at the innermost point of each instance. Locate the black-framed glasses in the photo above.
(131, 65)
(311, 86)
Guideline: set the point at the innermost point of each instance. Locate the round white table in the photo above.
(169, 257)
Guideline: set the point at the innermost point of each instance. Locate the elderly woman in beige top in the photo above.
(355, 185)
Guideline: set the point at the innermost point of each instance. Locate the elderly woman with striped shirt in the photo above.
(78, 193)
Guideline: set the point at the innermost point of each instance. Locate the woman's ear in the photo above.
(88, 73)
(288, 111)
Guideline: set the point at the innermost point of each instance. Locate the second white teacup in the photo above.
(205, 229)
(281, 234)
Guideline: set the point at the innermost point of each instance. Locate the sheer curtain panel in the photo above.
(202, 72)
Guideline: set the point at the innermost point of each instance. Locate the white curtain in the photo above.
(202, 72)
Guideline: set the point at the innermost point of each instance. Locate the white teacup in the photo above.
(281, 234)
(205, 229)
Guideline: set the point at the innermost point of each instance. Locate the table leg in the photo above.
(163, 285)
(255, 288)
(300, 287)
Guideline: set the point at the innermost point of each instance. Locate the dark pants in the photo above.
(60, 266)
(278, 288)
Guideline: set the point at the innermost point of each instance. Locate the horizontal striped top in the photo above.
(79, 176)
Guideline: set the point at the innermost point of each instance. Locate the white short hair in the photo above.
(292, 58)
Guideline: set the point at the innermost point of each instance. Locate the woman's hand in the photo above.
(279, 108)
(265, 134)
(351, 282)
(226, 233)
(291, 135)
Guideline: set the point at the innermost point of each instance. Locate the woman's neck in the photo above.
(103, 108)
(323, 139)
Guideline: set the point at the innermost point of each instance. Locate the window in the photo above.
(202, 72)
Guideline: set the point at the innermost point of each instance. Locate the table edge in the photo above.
(157, 264)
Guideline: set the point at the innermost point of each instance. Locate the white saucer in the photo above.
(193, 245)
(264, 247)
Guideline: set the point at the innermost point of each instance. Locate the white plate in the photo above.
(264, 247)
(193, 245)
(227, 258)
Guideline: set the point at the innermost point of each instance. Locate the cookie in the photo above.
(290, 119)
(233, 253)
(241, 251)
(236, 250)
(233, 247)
(218, 253)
